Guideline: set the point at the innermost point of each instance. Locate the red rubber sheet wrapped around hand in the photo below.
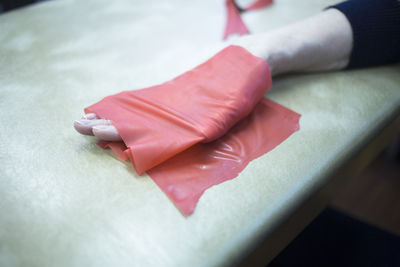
(200, 105)
(201, 128)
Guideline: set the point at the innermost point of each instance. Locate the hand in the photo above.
(90, 124)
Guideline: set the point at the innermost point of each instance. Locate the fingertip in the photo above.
(90, 116)
(82, 128)
(106, 133)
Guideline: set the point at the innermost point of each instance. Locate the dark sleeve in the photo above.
(376, 31)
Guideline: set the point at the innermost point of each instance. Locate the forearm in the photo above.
(319, 43)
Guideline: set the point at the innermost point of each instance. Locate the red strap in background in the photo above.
(234, 22)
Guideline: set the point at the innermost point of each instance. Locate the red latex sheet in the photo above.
(200, 105)
(201, 128)
(186, 176)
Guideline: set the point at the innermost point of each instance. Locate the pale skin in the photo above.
(320, 43)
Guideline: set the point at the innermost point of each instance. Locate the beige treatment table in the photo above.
(66, 202)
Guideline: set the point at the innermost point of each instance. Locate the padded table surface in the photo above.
(66, 202)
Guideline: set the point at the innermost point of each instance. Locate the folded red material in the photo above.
(201, 128)
(200, 105)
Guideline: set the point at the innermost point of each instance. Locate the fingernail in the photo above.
(89, 116)
(82, 122)
(99, 127)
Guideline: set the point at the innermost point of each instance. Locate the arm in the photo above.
(319, 43)
(302, 46)
(352, 34)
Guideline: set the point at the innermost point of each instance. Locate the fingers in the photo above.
(106, 132)
(90, 116)
(85, 126)
(91, 124)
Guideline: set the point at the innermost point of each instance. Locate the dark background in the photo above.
(8, 5)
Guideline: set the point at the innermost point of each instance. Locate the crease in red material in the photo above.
(201, 128)
(234, 21)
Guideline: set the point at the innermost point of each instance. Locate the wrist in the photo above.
(277, 48)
